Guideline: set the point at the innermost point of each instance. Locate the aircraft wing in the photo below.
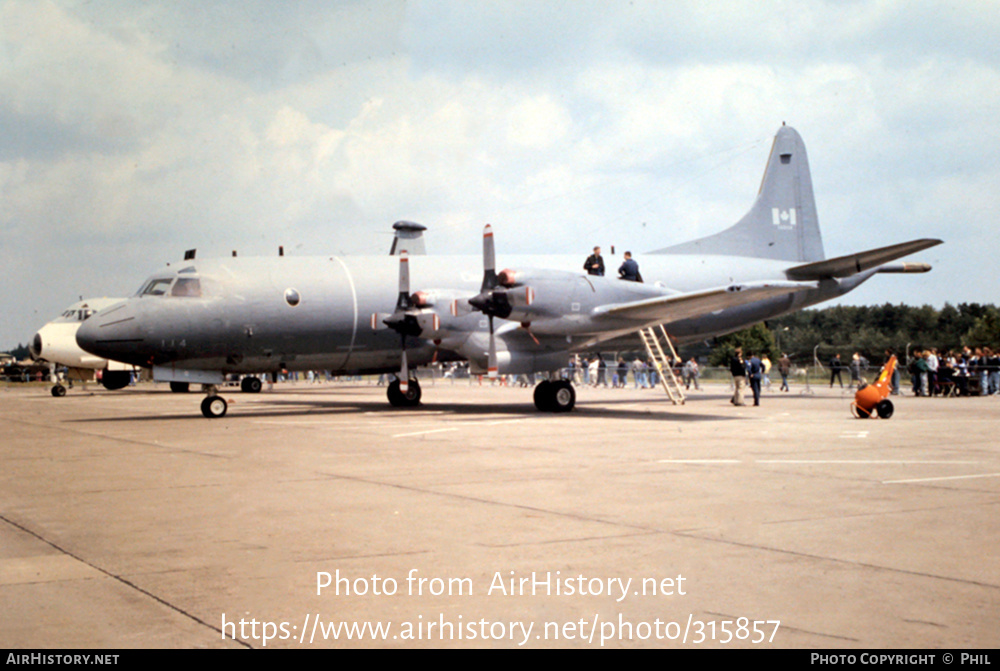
(858, 262)
(697, 303)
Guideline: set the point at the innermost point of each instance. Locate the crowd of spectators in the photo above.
(967, 372)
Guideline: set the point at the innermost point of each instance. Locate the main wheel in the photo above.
(400, 400)
(58, 391)
(543, 396)
(251, 385)
(563, 396)
(214, 406)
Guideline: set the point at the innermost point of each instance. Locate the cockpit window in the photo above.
(77, 314)
(187, 287)
(156, 287)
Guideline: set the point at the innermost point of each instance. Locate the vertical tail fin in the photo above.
(782, 224)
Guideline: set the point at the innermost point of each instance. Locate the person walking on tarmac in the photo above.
(738, 368)
(784, 367)
(835, 368)
(755, 371)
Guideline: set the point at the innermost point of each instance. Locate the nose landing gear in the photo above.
(214, 405)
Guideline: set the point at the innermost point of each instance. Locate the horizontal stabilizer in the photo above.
(905, 268)
(852, 264)
(664, 309)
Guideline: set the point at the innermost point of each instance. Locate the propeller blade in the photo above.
(403, 302)
(527, 327)
(491, 364)
(404, 375)
(489, 260)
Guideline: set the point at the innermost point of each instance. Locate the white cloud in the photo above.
(135, 131)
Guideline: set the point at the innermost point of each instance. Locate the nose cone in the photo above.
(113, 334)
(87, 336)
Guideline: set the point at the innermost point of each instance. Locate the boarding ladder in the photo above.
(664, 366)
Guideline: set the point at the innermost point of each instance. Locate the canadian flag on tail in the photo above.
(783, 219)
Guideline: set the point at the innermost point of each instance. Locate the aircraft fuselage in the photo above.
(357, 314)
(251, 315)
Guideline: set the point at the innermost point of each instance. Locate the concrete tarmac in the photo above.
(317, 516)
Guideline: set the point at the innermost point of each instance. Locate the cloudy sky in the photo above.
(131, 131)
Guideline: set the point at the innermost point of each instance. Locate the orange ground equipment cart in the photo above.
(872, 399)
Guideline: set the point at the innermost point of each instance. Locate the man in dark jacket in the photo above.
(738, 368)
(594, 265)
(755, 370)
(835, 368)
(629, 269)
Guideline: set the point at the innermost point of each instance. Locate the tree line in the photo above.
(869, 330)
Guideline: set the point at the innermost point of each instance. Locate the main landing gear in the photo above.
(399, 399)
(550, 395)
(251, 385)
(555, 396)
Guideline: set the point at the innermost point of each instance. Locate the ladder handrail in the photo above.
(667, 378)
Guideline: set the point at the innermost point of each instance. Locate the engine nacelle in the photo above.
(518, 297)
(538, 293)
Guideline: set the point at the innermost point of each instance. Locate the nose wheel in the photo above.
(214, 406)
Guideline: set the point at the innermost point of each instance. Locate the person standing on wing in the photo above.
(594, 265)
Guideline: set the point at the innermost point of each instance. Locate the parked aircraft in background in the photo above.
(55, 343)
(203, 319)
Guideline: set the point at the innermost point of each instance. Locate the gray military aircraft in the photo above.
(203, 319)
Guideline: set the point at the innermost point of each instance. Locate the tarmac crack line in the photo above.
(518, 506)
(119, 579)
(835, 560)
(127, 441)
(681, 534)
